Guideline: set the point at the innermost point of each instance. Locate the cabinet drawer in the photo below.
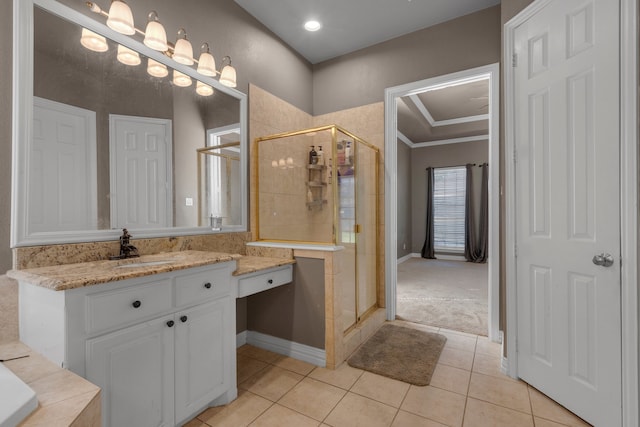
(120, 307)
(263, 281)
(203, 286)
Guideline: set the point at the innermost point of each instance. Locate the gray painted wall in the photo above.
(295, 311)
(6, 40)
(404, 200)
(360, 78)
(438, 156)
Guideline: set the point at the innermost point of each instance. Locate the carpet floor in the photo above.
(446, 294)
(401, 353)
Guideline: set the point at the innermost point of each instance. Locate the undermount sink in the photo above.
(143, 264)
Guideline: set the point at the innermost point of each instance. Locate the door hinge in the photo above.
(514, 60)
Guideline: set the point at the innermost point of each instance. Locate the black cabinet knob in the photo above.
(270, 281)
(170, 323)
(207, 285)
(183, 319)
(136, 304)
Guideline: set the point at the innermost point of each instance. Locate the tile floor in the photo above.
(467, 389)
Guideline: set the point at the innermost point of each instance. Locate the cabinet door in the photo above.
(203, 363)
(134, 368)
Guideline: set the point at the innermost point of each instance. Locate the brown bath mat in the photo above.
(400, 353)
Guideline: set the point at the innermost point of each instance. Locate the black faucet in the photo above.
(127, 250)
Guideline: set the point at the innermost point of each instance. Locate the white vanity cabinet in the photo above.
(161, 347)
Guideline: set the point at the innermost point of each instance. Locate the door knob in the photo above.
(605, 260)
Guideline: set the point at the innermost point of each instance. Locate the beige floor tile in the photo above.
(457, 358)
(259, 353)
(459, 340)
(484, 414)
(489, 365)
(313, 398)
(548, 409)
(248, 366)
(510, 394)
(541, 422)
(271, 383)
(32, 368)
(417, 326)
(241, 412)
(60, 386)
(358, 411)
(435, 404)
(194, 423)
(485, 346)
(450, 378)
(279, 416)
(295, 365)
(61, 413)
(344, 376)
(406, 419)
(382, 389)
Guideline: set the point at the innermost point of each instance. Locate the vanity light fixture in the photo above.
(203, 89)
(183, 51)
(206, 62)
(180, 79)
(120, 18)
(154, 35)
(93, 41)
(228, 75)
(128, 56)
(156, 69)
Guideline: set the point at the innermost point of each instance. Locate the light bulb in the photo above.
(228, 76)
(183, 51)
(127, 56)
(120, 18)
(206, 62)
(156, 69)
(155, 36)
(180, 79)
(204, 89)
(274, 163)
(93, 41)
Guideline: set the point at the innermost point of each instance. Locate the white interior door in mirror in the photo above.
(62, 158)
(141, 172)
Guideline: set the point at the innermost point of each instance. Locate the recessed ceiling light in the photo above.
(312, 25)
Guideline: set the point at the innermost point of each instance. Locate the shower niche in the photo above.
(330, 199)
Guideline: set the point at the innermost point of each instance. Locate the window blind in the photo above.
(449, 208)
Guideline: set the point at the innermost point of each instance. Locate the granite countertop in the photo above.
(64, 398)
(70, 276)
(251, 264)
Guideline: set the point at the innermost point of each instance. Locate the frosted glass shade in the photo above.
(180, 79)
(203, 89)
(207, 64)
(183, 52)
(128, 56)
(93, 41)
(228, 76)
(155, 36)
(120, 18)
(156, 69)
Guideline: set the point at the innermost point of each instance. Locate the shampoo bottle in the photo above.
(320, 156)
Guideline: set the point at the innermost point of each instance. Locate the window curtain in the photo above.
(427, 249)
(476, 244)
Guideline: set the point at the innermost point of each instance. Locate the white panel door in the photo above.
(567, 206)
(203, 366)
(62, 193)
(141, 172)
(134, 369)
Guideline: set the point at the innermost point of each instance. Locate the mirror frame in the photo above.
(22, 128)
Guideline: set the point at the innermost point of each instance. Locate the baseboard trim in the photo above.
(241, 339)
(504, 366)
(296, 350)
(407, 257)
(446, 257)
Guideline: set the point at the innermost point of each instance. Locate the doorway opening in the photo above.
(461, 127)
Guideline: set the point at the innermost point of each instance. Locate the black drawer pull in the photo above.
(170, 323)
(207, 285)
(136, 304)
(183, 319)
(270, 281)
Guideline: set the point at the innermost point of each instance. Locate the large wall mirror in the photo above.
(100, 145)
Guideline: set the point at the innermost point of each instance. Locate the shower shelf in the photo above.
(316, 203)
(316, 184)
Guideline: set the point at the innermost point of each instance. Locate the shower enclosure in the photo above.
(320, 186)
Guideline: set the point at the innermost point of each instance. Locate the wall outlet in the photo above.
(189, 201)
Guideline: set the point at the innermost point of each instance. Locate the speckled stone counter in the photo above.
(64, 398)
(70, 276)
(251, 264)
